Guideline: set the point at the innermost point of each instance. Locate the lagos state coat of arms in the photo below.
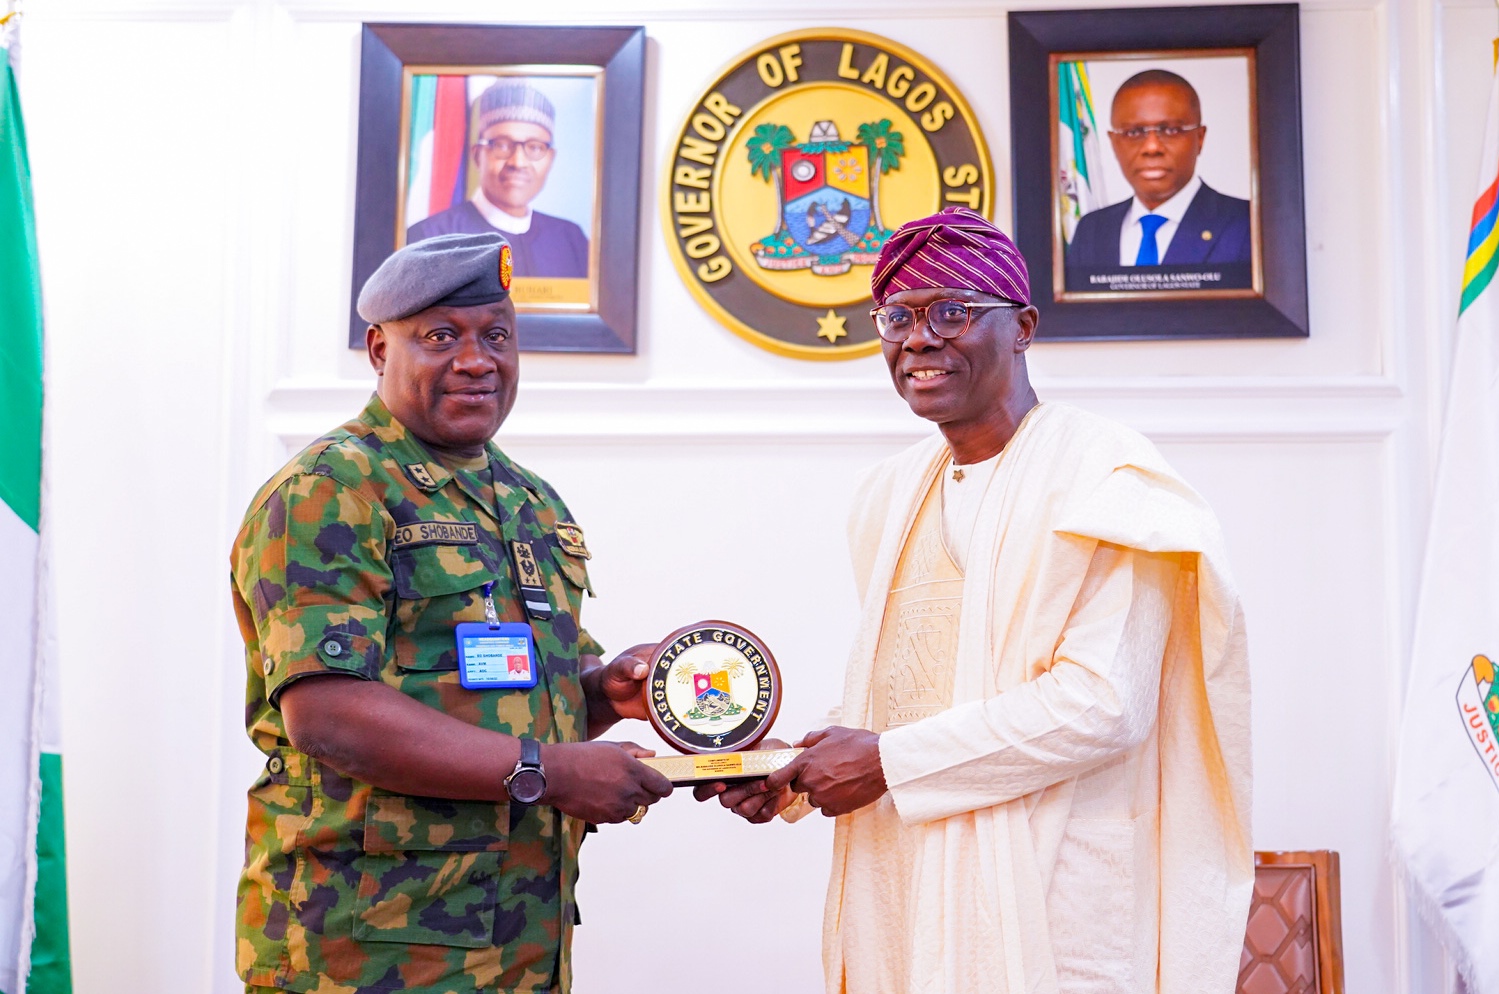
(713, 687)
(793, 169)
(1478, 703)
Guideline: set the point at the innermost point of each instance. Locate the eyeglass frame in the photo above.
(487, 143)
(1159, 130)
(919, 313)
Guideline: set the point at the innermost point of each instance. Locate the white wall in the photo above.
(194, 167)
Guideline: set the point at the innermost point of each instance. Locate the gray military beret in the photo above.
(449, 270)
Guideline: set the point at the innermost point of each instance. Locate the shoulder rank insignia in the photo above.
(528, 578)
(419, 475)
(570, 537)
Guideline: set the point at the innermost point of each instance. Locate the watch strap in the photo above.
(530, 754)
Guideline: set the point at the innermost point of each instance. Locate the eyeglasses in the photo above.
(504, 148)
(948, 318)
(1166, 131)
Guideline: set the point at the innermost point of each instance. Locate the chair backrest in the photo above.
(1294, 942)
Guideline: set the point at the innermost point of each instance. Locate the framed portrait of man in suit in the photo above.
(1169, 203)
(1139, 137)
(530, 131)
(511, 149)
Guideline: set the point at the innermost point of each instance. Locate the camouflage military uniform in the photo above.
(344, 564)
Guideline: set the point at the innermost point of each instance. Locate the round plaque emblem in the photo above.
(793, 169)
(713, 687)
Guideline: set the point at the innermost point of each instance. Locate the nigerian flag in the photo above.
(33, 898)
(1079, 154)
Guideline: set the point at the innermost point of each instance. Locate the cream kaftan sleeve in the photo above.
(1098, 698)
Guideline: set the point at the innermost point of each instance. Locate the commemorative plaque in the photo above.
(712, 692)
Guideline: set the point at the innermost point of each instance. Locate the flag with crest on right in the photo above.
(1446, 805)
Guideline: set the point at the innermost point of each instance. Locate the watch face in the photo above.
(527, 786)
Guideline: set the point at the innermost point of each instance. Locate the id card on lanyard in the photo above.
(494, 654)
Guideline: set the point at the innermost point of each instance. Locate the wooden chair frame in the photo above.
(1327, 911)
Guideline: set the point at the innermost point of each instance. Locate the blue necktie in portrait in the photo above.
(1149, 255)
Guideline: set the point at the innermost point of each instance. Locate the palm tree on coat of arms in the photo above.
(886, 149)
(765, 147)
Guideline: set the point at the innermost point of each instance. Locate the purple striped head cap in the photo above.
(957, 248)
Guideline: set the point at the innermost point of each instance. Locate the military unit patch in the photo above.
(794, 168)
(570, 537)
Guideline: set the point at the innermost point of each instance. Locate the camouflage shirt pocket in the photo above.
(429, 873)
(436, 587)
(430, 571)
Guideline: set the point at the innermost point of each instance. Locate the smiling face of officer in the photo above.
(449, 374)
(1157, 165)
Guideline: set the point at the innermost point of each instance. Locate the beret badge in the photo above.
(505, 267)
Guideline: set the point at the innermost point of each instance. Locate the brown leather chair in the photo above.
(1294, 943)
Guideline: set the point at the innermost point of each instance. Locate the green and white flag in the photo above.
(1079, 152)
(33, 895)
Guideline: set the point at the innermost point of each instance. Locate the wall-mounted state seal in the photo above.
(792, 170)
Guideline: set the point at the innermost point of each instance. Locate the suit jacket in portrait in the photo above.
(1215, 229)
(554, 247)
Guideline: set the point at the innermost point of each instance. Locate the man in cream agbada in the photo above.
(1041, 766)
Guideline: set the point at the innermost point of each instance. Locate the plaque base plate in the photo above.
(721, 765)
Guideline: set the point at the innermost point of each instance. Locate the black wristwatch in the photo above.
(527, 782)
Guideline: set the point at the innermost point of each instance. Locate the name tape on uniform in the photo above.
(436, 533)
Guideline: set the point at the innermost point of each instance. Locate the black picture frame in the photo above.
(385, 51)
(1272, 32)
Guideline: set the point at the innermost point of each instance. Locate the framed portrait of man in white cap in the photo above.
(510, 153)
(470, 129)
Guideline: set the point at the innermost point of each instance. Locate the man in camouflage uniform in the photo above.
(383, 850)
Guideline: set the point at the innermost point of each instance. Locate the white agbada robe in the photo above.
(1068, 825)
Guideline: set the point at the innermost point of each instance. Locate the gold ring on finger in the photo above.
(639, 814)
